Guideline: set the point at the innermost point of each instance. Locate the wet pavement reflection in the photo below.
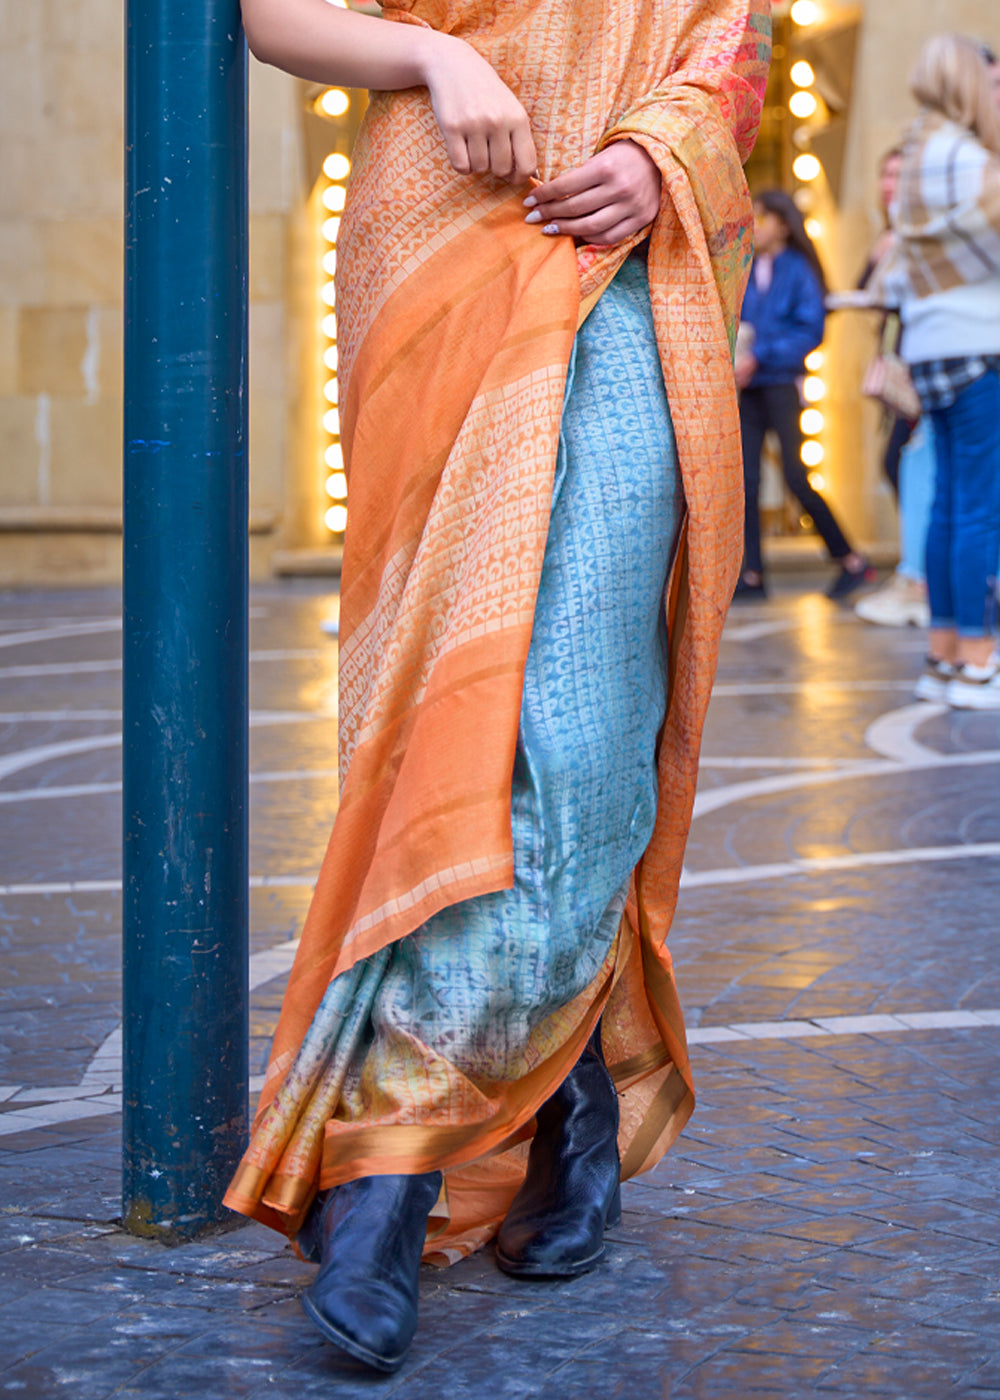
(828, 1223)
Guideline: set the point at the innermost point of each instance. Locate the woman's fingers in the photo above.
(605, 200)
(594, 228)
(500, 155)
(591, 174)
(479, 152)
(609, 224)
(525, 157)
(511, 159)
(616, 234)
(574, 207)
(499, 151)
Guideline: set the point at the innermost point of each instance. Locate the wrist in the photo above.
(431, 50)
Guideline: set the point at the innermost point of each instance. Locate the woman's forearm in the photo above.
(485, 129)
(325, 44)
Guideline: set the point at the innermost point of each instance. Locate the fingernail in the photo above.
(551, 228)
(535, 217)
(530, 202)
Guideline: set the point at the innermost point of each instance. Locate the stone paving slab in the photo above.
(782, 1274)
(828, 1224)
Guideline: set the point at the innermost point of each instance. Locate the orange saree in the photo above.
(457, 323)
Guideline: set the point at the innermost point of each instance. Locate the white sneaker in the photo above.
(975, 687)
(900, 602)
(933, 684)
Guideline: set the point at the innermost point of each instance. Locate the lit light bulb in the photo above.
(328, 294)
(806, 167)
(330, 262)
(815, 360)
(334, 458)
(336, 486)
(333, 198)
(814, 229)
(335, 102)
(328, 326)
(802, 74)
(330, 357)
(813, 389)
(331, 421)
(336, 167)
(804, 12)
(336, 519)
(811, 422)
(331, 230)
(802, 105)
(331, 391)
(812, 453)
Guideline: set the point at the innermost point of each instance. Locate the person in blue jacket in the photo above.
(783, 313)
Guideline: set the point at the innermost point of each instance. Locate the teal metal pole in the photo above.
(185, 901)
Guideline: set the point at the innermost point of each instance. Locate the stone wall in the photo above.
(61, 155)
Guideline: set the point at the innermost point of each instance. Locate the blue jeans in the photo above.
(963, 541)
(916, 492)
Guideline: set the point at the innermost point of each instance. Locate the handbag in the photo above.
(887, 378)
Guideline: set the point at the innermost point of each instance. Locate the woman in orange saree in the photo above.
(473, 955)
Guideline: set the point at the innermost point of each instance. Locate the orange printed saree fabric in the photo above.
(457, 323)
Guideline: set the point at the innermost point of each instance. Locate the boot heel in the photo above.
(555, 1225)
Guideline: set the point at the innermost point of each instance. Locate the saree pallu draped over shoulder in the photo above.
(456, 327)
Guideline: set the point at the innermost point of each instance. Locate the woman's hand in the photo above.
(605, 200)
(485, 128)
(885, 243)
(744, 369)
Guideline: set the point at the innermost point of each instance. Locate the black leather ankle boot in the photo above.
(369, 1235)
(555, 1225)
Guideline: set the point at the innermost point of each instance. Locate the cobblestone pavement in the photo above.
(829, 1223)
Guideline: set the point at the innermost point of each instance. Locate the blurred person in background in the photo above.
(902, 599)
(784, 309)
(888, 182)
(945, 274)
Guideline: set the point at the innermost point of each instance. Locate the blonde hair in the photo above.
(952, 76)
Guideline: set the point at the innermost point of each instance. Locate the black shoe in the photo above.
(745, 591)
(556, 1222)
(370, 1235)
(850, 579)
